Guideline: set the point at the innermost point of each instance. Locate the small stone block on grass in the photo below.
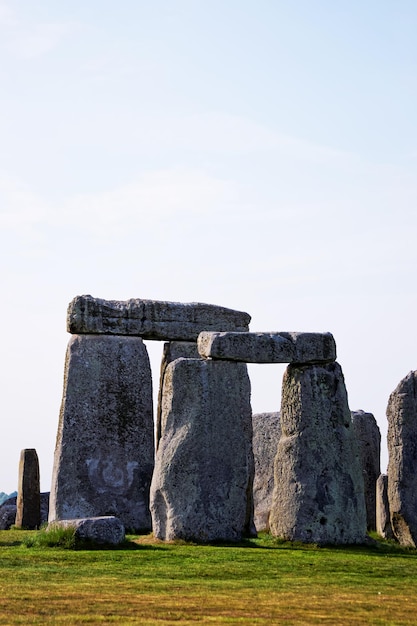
(106, 529)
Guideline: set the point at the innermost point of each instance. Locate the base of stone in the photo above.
(102, 530)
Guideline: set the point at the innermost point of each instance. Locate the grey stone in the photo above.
(151, 319)
(172, 350)
(369, 439)
(383, 518)
(28, 513)
(202, 484)
(105, 529)
(402, 460)
(104, 453)
(318, 485)
(8, 513)
(266, 435)
(268, 347)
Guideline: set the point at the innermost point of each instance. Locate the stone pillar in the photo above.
(104, 453)
(369, 440)
(266, 435)
(202, 484)
(28, 512)
(402, 460)
(383, 519)
(318, 493)
(172, 350)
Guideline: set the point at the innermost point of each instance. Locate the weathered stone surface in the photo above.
(106, 529)
(318, 493)
(383, 518)
(172, 350)
(268, 347)
(151, 319)
(402, 464)
(202, 484)
(28, 513)
(369, 439)
(104, 453)
(266, 435)
(8, 511)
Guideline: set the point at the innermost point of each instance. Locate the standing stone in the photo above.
(402, 463)
(104, 453)
(266, 435)
(369, 440)
(28, 511)
(318, 493)
(383, 518)
(202, 484)
(172, 350)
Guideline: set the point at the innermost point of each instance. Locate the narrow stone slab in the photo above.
(280, 347)
(383, 518)
(369, 441)
(28, 505)
(266, 436)
(106, 529)
(151, 319)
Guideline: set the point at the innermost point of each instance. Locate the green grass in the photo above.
(260, 582)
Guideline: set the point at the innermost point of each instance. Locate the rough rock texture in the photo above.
(104, 453)
(318, 492)
(106, 529)
(383, 519)
(402, 464)
(151, 319)
(172, 350)
(268, 347)
(369, 440)
(202, 484)
(266, 435)
(28, 513)
(8, 511)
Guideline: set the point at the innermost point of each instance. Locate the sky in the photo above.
(256, 155)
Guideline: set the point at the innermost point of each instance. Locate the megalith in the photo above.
(402, 460)
(318, 492)
(383, 518)
(369, 441)
(266, 435)
(28, 503)
(104, 454)
(172, 350)
(202, 484)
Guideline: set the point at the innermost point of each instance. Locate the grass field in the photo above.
(259, 582)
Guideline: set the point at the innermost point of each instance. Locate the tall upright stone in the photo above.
(202, 484)
(266, 435)
(369, 440)
(28, 511)
(402, 460)
(104, 453)
(318, 492)
(172, 350)
(383, 517)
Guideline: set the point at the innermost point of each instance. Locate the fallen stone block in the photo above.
(105, 529)
(151, 319)
(268, 347)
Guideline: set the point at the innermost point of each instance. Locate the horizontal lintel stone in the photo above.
(283, 347)
(151, 319)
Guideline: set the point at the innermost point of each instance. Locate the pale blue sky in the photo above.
(257, 155)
